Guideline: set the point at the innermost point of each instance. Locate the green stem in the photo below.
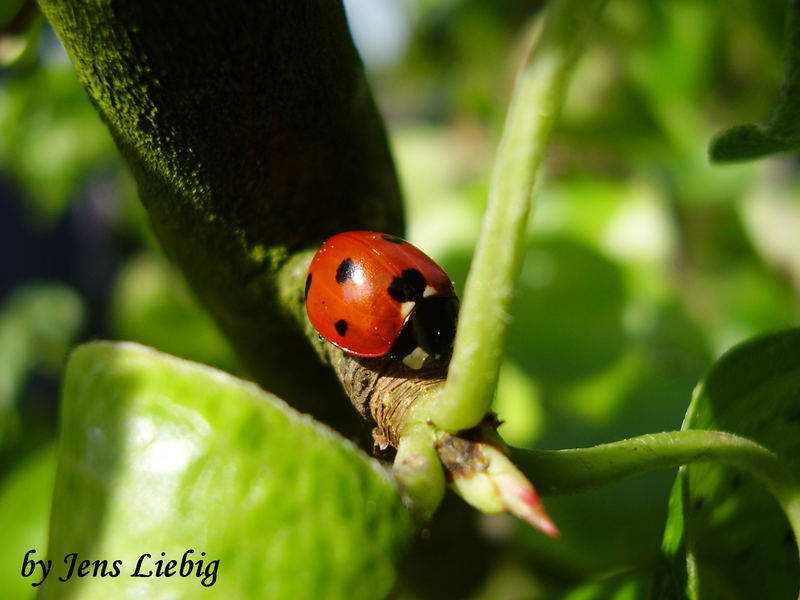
(578, 470)
(534, 108)
(252, 135)
(419, 471)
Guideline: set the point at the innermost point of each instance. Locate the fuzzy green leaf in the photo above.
(726, 536)
(161, 455)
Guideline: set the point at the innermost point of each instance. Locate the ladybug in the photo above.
(373, 295)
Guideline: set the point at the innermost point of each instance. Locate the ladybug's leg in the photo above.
(416, 358)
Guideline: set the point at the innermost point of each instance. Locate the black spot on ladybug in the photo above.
(341, 327)
(392, 239)
(345, 271)
(308, 285)
(408, 287)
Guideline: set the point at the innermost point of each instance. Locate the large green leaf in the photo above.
(161, 455)
(726, 536)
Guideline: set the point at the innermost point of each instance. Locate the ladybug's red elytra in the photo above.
(373, 294)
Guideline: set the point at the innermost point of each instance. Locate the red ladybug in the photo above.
(373, 294)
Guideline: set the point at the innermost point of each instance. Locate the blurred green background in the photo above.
(645, 262)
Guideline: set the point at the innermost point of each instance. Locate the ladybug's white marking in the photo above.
(359, 276)
(406, 308)
(428, 292)
(352, 288)
(415, 359)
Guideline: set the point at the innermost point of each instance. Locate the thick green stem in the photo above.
(419, 471)
(534, 109)
(573, 471)
(252, 134)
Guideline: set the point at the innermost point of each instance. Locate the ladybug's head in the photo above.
(428, 333)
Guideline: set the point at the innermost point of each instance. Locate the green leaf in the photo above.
(567, 311)
(161, 455)
(726, 536)
(151, 305)
(782, 134)
(24, 512)
(9, 10)
(38, 324)
(20, 32)
(50, 137)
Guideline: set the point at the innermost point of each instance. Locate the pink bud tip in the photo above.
(521, 500)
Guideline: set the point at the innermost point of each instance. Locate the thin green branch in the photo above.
(534, 108)
(578, 470)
